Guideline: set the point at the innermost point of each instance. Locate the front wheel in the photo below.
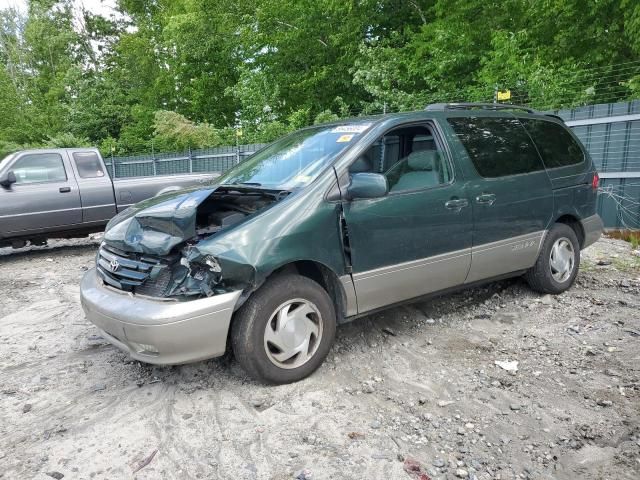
(558, 261)
(285, 329)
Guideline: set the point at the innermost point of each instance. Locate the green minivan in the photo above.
(336, 221)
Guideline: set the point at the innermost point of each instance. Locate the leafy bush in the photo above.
(9, 147)
(67, 140)
(175, 131)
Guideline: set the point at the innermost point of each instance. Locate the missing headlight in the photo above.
(213, 264)
(196, 276)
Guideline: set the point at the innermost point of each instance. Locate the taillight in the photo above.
(596, 181)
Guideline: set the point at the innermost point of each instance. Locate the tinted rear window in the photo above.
(88, 164)
(497, 146)
(557, 147)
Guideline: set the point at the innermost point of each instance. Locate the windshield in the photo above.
(295, 160)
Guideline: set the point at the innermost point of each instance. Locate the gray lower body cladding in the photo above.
(396, 283)
(592, 227)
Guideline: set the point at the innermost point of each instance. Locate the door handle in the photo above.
(65, 189)
(486, 199)
(456, 203)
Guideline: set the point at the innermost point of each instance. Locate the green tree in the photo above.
(266, 67)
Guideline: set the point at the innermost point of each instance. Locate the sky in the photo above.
(100, 7)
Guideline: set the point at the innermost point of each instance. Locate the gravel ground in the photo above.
(410, 393)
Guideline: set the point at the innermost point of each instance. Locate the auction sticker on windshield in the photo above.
(351, 128)
(344, 138)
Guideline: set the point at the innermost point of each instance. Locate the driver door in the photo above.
(44, 197)
(416, 239)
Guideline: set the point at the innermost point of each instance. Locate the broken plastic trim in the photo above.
(199, 274)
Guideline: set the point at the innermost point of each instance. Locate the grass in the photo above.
(631, 236)
(627, 265)
(631, 264)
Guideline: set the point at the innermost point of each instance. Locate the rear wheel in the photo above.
(558, 261)
(285, 329)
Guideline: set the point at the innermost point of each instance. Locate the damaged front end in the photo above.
(155, 248)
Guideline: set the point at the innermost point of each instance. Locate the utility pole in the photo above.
(238, 135)
(113, 162)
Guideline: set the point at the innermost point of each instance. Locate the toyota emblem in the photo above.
(114, 265)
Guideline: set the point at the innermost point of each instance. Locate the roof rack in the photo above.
(484, 106)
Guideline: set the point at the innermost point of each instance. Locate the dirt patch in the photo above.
(410, 391)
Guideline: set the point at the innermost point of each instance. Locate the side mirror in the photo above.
(7, 179)
(368, 185)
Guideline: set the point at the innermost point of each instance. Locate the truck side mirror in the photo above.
(8, 178)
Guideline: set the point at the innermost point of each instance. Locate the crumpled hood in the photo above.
(155, 226)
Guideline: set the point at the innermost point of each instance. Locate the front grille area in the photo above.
(133, 272)
(156, 287)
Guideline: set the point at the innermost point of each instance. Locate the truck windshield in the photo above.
(295, 160)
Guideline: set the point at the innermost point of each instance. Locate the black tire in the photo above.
(250, 322)
(540, 277)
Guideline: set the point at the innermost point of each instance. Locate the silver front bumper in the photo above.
(159, 331)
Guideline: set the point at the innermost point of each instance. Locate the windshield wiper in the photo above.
(277, 193)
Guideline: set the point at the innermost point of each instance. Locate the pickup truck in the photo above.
(67, 192)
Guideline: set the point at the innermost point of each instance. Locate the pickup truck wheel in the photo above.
(285, 329)
(558, 261)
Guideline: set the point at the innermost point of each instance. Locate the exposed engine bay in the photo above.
(180, 223)
(224, 209)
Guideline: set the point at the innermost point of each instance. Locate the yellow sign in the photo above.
(504, 95)
(344, 138)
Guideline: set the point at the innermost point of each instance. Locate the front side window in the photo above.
(39, 167)
(555, 144)
(88, 164)
(497, 146)
(295, 160)
(409, 157)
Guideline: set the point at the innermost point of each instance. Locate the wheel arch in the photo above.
(574, 223)
(324, 276)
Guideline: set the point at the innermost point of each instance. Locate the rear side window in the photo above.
(497, 146)
(556, 146)
(88, 164)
